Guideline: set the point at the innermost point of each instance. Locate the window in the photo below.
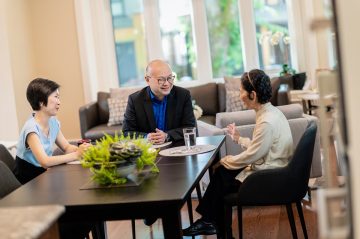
(130, 44)
(224, 37)
(272, 33)
(201, 39)
(177, 37)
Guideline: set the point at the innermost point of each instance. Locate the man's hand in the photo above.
(233, 132)
(158, 137)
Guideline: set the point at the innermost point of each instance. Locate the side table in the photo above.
(307, 100)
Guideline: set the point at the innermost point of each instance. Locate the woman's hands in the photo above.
(233, 132)
(81, 149)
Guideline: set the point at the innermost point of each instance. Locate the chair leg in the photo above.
(189, 206)
(291, 220)
(189, 203)
(309, 193)
(198, 191)
(100, 230)
(240, 227)
(302, 220)
(133, 228)
(228, 221)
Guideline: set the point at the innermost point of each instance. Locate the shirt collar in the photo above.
(262, 109)
(153, 97)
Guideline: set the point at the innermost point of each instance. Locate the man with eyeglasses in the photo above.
(160, 110)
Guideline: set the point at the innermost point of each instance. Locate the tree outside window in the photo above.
(272, 33)
(224, 36)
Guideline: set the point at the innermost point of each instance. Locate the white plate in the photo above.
(74, 162)
(157, 146)
(182, 151)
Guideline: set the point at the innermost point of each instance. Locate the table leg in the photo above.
(172, 224)
(310, 107)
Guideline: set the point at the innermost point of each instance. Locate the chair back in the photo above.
(300, 164)
(281, 185)
(8, 181)
(6, 157)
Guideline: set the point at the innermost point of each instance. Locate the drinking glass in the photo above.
(189, 137)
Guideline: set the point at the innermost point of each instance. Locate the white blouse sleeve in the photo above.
(257, 148)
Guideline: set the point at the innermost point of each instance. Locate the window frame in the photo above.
(98, 58)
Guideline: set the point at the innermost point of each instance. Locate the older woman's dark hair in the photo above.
(256, 80)
(38, 92)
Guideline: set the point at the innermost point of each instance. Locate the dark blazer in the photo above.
(139, 115)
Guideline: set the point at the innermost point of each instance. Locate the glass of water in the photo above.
(189, 137)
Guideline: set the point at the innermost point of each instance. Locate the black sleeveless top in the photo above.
(25, 171)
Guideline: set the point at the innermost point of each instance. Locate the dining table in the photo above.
(160, 195)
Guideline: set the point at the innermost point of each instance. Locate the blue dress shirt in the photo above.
(159, 108)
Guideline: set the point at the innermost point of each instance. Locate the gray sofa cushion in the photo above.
(99, 130)
(206, 96)
(103, 107)
(210, 119)
(246, 117)
(222, 97)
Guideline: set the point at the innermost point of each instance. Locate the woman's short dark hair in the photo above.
(38, 92)
(256, 80)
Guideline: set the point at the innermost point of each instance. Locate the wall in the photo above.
(16, 66)
(42, 42)
(348, 13)
(56, 56)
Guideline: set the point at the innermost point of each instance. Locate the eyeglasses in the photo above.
(161, 80)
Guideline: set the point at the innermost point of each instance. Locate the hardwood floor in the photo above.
(258, 222)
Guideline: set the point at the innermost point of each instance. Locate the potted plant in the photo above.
(113, 158)
(287, 70)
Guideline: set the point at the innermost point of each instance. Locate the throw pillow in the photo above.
(117, 109)
(232, 88)
(117, 104)
(233, 101)
(123, 93)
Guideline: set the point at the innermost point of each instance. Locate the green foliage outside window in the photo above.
(225, 40)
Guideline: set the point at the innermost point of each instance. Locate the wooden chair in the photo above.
(280, 186)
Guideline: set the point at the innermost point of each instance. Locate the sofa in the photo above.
(245, 122)
(211, 97)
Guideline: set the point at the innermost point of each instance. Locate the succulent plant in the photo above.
(124, 150)
(112, 152)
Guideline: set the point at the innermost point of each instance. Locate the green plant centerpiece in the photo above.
(113, 158)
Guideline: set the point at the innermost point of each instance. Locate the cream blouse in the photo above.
(271, 145)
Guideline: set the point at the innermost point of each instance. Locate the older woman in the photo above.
(41, 131)
(270, 147)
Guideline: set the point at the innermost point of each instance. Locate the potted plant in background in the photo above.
(113, 158)
(287, 70)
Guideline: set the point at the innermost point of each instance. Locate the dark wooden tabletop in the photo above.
(159, 195)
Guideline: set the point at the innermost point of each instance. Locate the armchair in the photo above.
(8, 182)
(7, 158)
(245, 122)
(280, 186)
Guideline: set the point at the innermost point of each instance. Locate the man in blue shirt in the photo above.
(160, 110)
